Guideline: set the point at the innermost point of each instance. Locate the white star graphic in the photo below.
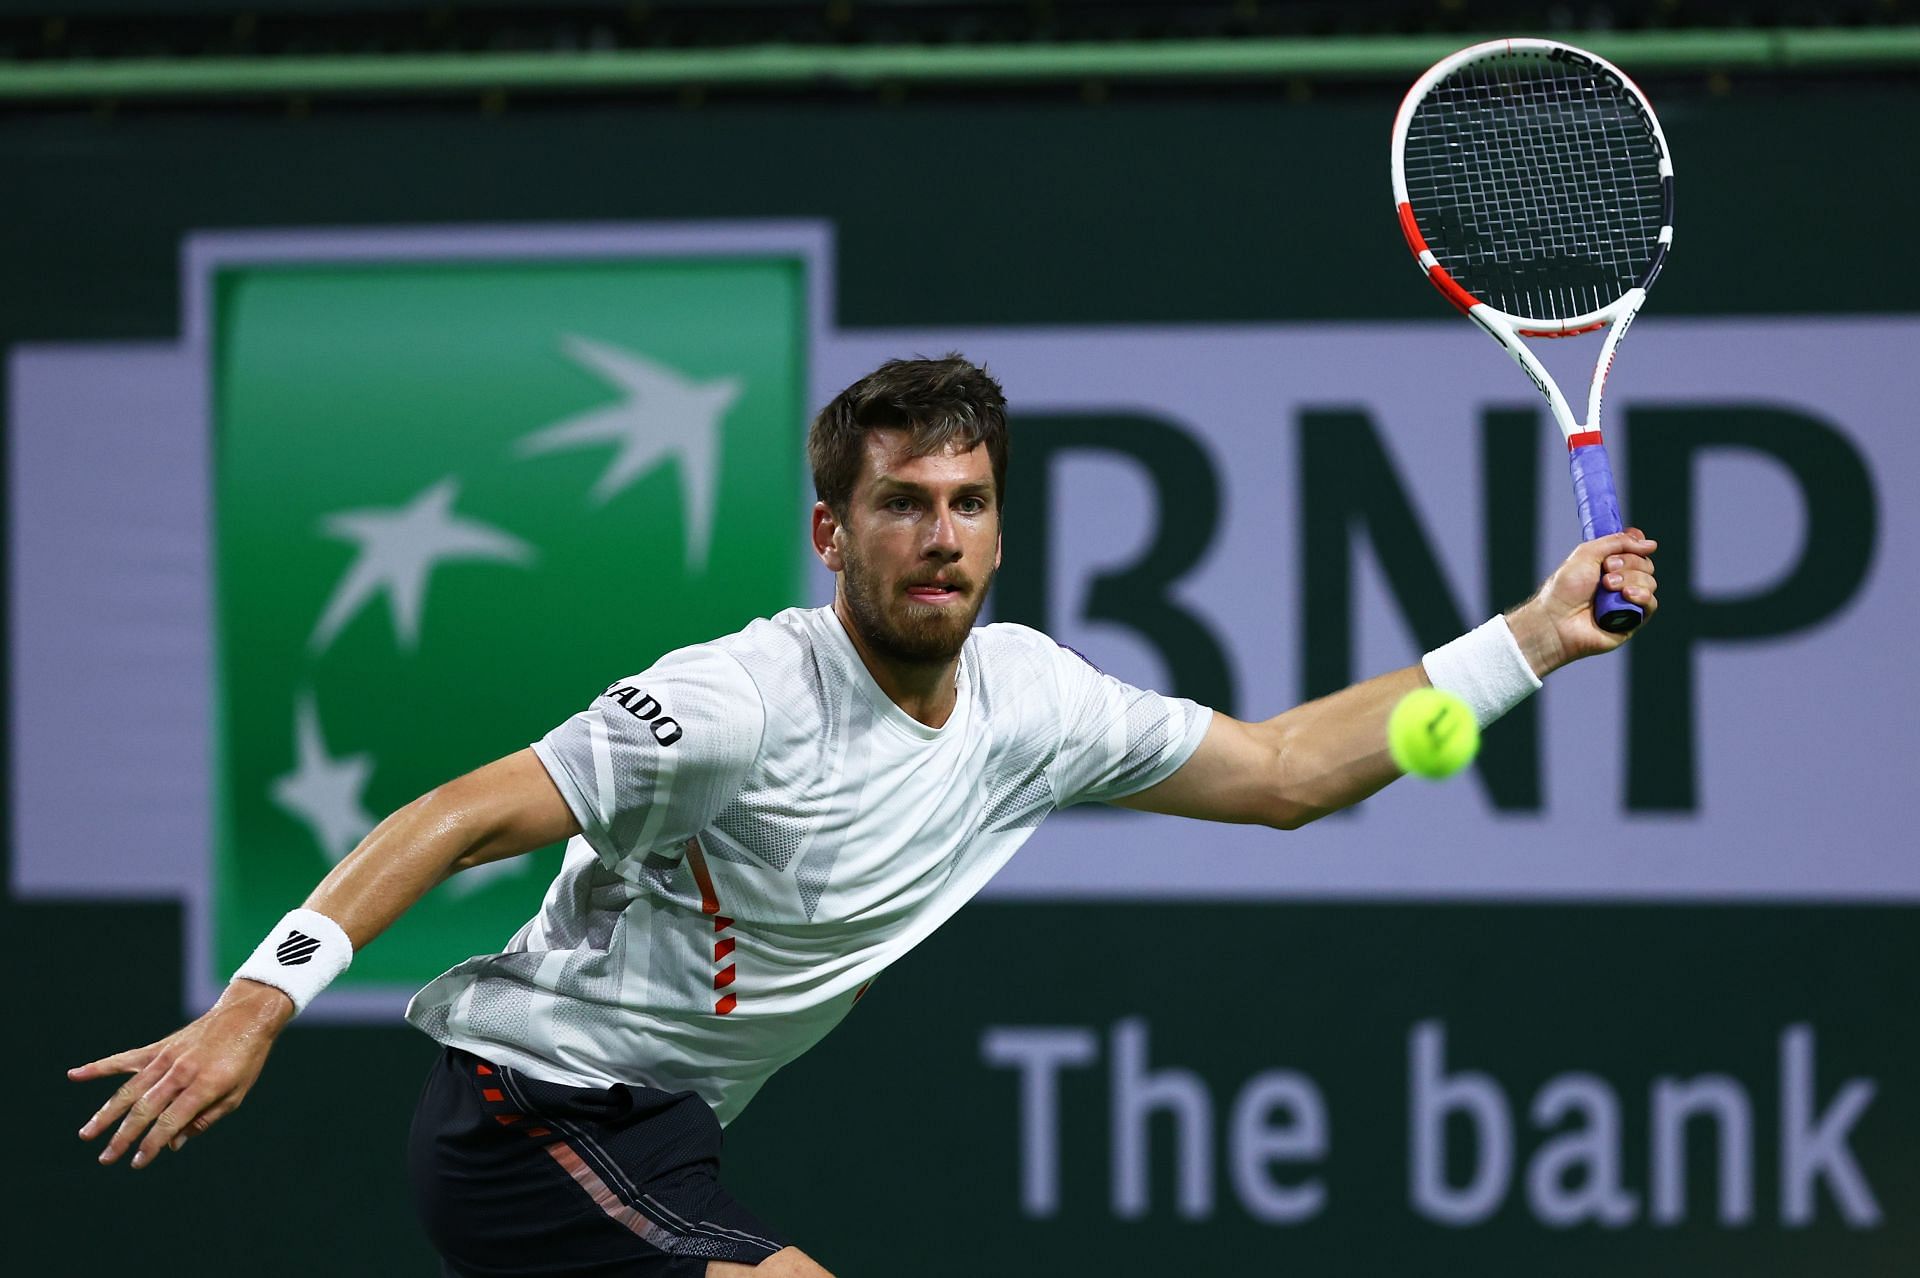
(664, 414)
(399, 548)
(325, 793)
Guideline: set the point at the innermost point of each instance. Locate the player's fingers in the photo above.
(1635, 588)
(1620, 543)
(187, 1108)
(1628, 563)
(119, 1063)
(122, 1100)
(150, 1105)
(199, 1125)
(1643, 595)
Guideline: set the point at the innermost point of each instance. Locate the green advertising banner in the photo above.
(453, 500)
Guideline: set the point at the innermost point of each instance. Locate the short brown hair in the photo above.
(942, 403)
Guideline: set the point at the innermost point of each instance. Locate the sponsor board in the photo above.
(442, 515)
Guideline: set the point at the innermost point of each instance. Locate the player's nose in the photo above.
(943, 537)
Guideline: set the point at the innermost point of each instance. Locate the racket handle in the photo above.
(1600, 517)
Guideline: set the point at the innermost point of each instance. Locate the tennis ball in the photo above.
(1432, 733)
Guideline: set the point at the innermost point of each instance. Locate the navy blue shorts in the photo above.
(516, 1176)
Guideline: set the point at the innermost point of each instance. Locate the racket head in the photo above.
(1533, 178)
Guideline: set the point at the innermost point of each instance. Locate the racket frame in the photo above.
(1593, 483)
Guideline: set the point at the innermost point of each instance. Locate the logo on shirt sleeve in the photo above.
(647, 709)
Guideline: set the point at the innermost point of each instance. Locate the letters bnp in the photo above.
(1475, 1147)
(1354, 504)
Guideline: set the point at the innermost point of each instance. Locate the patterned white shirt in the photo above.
(764, 831)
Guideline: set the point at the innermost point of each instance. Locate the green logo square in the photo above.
(455, 497)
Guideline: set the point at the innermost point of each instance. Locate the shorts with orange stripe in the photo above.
(515, 1176)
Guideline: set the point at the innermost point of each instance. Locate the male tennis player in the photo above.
(758, 826)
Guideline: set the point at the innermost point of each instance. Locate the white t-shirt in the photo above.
(764, 831)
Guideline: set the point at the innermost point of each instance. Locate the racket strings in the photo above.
(1536, 184)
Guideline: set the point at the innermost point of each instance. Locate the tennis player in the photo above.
(760, 825)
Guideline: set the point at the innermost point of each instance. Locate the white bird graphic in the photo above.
(399, 549)
(662, 415)
(324, 793)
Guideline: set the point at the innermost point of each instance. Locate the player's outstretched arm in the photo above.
(1331, 753)
(194, 1077)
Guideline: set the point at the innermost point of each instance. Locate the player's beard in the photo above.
(893, 626)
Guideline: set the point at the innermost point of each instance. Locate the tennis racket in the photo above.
(1536, 192)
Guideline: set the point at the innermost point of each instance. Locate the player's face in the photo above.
(918, 549)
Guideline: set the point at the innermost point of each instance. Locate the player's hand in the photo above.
(1557, 626)
(189, 1080)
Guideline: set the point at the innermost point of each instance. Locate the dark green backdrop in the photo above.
(890, 1149)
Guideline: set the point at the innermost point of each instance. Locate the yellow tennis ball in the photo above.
(1432, 734)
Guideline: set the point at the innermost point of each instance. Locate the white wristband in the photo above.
(1484, 668)
(300, 957)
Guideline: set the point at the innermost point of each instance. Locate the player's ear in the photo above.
(826, 538)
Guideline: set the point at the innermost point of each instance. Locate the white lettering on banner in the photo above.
(1137, 1094)
(1811, 1150)
(1725, 1101)
(1574, 1175)
(1812, 1147)
(1435, 1096)
(1592, 1150)
(1039, 1054)
(1257, 1143)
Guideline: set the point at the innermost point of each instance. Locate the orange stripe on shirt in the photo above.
(709, 899)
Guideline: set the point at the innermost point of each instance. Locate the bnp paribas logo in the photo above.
(462, 484)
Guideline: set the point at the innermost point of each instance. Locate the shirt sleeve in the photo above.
(1117, 739)
(654, 758)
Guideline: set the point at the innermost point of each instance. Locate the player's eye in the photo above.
(900, 505)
